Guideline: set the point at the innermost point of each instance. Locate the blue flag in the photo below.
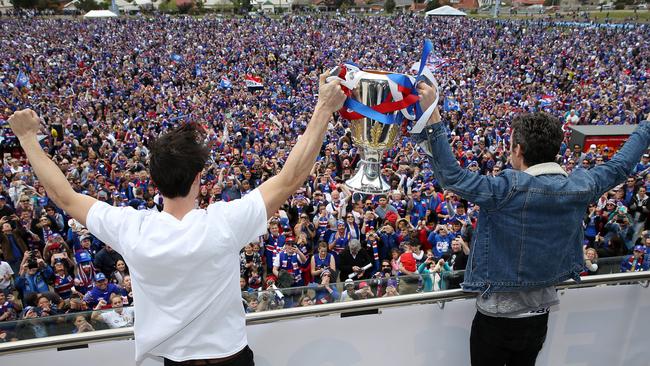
(176, 57)
(451, 105)
(197, 70)
(22, 81)
(225, 83)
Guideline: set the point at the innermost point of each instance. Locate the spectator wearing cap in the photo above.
(102, 290)
(326, 292)
(85, 244)
(637, 261)
(63, 282)
(353, 260)
(291, 260)
(643, 165)
(106, 259)
(348, 293)
(85, 272)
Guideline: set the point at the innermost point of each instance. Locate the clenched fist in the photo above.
(25, 123)
(330, 95)
(427, 97)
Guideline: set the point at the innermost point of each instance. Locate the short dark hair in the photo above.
(176, 158)
(539, 135)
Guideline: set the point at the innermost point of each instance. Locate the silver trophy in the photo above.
(371, 137)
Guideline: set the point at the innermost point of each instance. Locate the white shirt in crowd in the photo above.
(5, 269)
(185, 274)
(118, 320)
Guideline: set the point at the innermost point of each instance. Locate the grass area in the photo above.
(642, 16)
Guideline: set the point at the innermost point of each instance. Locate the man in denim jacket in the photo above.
(529, 234)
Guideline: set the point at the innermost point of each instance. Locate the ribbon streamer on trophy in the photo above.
(378, 104)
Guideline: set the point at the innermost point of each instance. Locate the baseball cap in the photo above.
(610, 201)
(592, 146)
(3, 197)
(84, 237)
(83, 257)
(325, 272)
(363, 284)
(639, 248)
(646, 155)
(349, 282)
(100, 277)
(473, 163)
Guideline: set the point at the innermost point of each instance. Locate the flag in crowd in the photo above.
(253, 82)
(225, 83)
(22, 81)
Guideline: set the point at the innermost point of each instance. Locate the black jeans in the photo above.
(243, 358)
(504, 341)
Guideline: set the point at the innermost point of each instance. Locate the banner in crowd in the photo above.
(253, 82)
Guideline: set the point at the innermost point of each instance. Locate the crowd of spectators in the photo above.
(106, 88)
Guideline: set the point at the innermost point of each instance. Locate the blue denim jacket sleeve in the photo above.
(615, 171)
(485, 191)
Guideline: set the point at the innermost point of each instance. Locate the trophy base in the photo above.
(367, 179)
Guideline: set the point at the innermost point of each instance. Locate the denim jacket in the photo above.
(529, 233)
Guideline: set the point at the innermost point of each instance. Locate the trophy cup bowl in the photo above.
(372, 138)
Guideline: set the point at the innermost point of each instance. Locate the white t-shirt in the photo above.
(5, 269)
(115, 320)
(185, 274)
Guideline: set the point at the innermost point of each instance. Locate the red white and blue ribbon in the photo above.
(403, 95)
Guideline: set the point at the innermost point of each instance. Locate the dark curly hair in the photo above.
(539, 135)
(176, 158)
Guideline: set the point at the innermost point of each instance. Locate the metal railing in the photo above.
(343, 308)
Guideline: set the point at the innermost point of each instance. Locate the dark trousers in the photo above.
(243, 358)
(504, 341)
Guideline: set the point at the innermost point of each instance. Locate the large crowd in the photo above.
(106, 88)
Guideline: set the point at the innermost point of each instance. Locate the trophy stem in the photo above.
(368, 179)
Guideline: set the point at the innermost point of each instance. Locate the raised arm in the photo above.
(613, 172)
(25, 125)
(473, 187)
(276, 190)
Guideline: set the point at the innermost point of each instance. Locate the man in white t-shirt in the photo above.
(5, 277)
(184, 262)
(118, 316)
